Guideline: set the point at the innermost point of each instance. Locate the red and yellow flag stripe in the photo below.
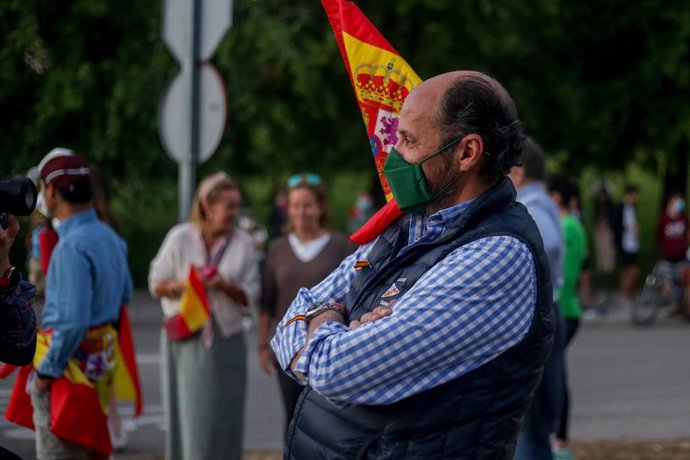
(194, 308)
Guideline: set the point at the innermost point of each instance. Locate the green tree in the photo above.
(600, 84)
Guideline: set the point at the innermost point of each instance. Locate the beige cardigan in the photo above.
(183, 247)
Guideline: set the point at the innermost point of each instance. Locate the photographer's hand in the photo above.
(6, 240)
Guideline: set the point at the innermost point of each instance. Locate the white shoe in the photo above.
(118, 434)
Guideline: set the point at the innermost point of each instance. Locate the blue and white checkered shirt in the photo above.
(462, 313)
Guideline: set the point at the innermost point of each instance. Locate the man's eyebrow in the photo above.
(404, 132)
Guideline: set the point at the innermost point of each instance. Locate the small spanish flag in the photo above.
(194, 308)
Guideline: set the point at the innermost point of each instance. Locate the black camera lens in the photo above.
(17, 196)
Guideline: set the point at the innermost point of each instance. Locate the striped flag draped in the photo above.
(77, 405)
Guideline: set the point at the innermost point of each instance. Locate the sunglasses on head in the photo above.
(303, 179)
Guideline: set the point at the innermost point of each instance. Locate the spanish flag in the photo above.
(382, 79)
(194, 308)
(78, 406)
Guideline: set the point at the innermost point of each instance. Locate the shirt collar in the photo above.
(419, 227)
(530, 190)
(75, 220)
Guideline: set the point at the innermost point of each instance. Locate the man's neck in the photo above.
(66, 210)
(465, 192)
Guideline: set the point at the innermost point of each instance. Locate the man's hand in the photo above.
(374, 315)
(6, 241)
(42, 384)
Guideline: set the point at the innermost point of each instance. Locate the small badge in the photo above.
(392, 291)
(361, 264)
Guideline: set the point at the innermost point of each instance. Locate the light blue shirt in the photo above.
(88, 281)
(465, 311)
(35, 243)
(548, 220)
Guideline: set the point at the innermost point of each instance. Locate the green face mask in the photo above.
(407, 181)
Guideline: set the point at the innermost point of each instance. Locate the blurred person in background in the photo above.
(585, 288)
(300, 259)
(604, 247)
(17, 318)
(673, 238)
(38, 224)
(540, 421)
(127, 374)
(564, 193)
(204, 371)
(361, 211)
(41, 241)
(278, 217)
(627, 240)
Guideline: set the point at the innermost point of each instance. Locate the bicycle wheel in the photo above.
(646, 306)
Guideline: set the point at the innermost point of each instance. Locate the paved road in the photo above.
(627, 384)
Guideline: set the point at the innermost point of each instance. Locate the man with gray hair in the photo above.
(429, 340)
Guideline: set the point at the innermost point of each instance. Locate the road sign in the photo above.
(214, 19)
(192, 113)
(173, 120)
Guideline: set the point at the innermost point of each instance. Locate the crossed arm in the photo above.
(465, 311)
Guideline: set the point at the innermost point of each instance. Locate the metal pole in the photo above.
(190, 74)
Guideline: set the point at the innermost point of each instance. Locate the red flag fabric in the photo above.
(6, 370)
(378, 223)
(127, 383)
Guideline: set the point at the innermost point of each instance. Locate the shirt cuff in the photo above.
(49, 369)
(312, 349)
(287, 342)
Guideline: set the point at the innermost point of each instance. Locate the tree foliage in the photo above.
(601, 83)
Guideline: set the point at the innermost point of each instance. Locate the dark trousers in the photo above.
(542, 417)
(571, 326)
(290, 391)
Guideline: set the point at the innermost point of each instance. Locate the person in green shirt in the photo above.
(563, 192)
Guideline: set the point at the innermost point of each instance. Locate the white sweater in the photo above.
(182, 247)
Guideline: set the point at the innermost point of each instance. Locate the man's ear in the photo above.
(471, 153)
(49, 190)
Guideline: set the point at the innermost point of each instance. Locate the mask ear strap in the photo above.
(450, 144)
